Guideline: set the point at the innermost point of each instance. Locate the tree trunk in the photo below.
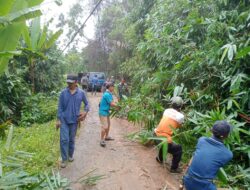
(32, 74)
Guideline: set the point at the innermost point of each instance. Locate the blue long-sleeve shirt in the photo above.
(70, 104)
(209, 156)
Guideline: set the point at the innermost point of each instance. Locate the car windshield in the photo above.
(99, 75)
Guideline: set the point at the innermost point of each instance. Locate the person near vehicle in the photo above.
(84, 81)
(68, 116)
(112, 80)
(94, 84)
(105, 84)
(172, 118)
(107, 101)
(122, 89)
(210, 155)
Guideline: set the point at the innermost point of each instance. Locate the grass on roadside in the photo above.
(42, 140)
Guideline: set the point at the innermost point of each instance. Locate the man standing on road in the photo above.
(107, 101)
(112, 80)
(172, 118)
(94, 84)
(209, 156)
(68, 116)
(122, 89)
(105, 84)
(84, 81)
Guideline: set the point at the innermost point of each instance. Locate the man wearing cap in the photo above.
(172, 119)
(68, 116)
(209, 156)
(112, 80)
(107, 101)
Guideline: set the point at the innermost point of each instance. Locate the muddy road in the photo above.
(125, 165)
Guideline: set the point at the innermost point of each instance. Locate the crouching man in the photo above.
(172, 118)
(209, 156)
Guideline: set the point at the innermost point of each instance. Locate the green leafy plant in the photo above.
(13, 15)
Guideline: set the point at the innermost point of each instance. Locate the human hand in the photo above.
(181, 187)
(58, 124)
(117, 107)
(82, 116)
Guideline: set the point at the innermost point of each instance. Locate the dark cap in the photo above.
(221, 128)
(71, 78)
(109, 85)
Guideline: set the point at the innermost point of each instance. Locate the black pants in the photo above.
(176, 151)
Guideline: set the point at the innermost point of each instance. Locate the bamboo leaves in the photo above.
(222, 176)
(230, 50)
(9, 139)
(243, 52)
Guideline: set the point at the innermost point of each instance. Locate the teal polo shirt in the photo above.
(104, 108)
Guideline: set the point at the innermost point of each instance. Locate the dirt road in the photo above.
(126, 165)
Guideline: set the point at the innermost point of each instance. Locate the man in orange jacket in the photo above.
(172, 119)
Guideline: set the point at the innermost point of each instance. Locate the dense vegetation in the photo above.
(196, 49)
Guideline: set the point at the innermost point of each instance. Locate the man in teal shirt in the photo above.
(107, 101)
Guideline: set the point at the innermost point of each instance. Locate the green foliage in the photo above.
(142, 136)
(41, 141)
(74, 62)
(13, 15)
(26, 169)
(17, 177)
(38, 109)
(200, 51)
(37, 43)
(13, 91)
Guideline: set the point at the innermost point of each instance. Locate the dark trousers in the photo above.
(176, 151)
(67, 140)
(84, 87)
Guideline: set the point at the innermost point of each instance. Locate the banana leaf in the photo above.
(21, 15)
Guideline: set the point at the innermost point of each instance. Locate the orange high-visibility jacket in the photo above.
(171, 119)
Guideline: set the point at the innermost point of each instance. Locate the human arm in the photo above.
(59, 111)
(113, 104)
(84, 113)
(109, 99)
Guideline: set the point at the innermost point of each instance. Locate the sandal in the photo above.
(102, 143)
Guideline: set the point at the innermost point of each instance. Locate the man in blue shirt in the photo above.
(107, 101)
(209, 156)
(94, 84)
(68, 116)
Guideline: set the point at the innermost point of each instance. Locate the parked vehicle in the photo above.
(101, 80)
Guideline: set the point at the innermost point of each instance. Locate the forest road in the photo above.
(125, 165)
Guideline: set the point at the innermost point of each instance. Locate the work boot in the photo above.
(177, 170)
(158, 160)
(63, 164)
(102, 143)
(71, 159)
